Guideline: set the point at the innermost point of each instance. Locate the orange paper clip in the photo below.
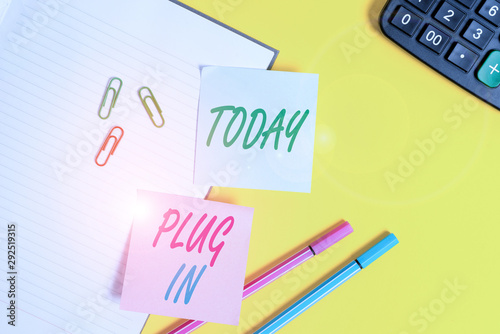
(105, 144)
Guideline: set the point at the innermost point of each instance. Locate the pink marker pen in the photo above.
(315, 248)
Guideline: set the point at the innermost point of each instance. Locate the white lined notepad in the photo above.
(73, 217)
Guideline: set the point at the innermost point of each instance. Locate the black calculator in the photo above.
(457, 38)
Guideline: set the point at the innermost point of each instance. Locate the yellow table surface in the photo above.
(398, 149)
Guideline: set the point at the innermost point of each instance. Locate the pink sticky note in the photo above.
(187, 258)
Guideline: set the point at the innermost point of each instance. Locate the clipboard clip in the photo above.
(115, 139)
(148, 109)
(115, 91)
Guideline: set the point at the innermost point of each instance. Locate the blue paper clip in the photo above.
(115, 96)
(105, 144)
(148, 109)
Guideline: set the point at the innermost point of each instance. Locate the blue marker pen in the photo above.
(329, 285)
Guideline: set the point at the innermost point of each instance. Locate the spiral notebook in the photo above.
(71, 217)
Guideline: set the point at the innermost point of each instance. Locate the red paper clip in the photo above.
(113, 148)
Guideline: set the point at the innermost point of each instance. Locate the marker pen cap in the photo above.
(330, 238)
(377, 251)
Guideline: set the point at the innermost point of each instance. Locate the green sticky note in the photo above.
(256, 129)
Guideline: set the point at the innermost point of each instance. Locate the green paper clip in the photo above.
(115, 96)
(145, 104)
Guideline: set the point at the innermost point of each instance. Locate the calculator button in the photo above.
(489, 72)
(449, 16)
(423, 5)
(434, 39)
(490, 11)
(477, 34)
(406, 20)
(467, 3)
(462, 57)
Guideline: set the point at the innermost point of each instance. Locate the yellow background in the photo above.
(398, 149)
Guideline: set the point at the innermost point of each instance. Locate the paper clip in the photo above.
(145, 104)
(115, 96)
(105, 144)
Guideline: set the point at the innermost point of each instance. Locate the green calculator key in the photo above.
(489, 72)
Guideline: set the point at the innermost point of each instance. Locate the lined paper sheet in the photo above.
(73, 217)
